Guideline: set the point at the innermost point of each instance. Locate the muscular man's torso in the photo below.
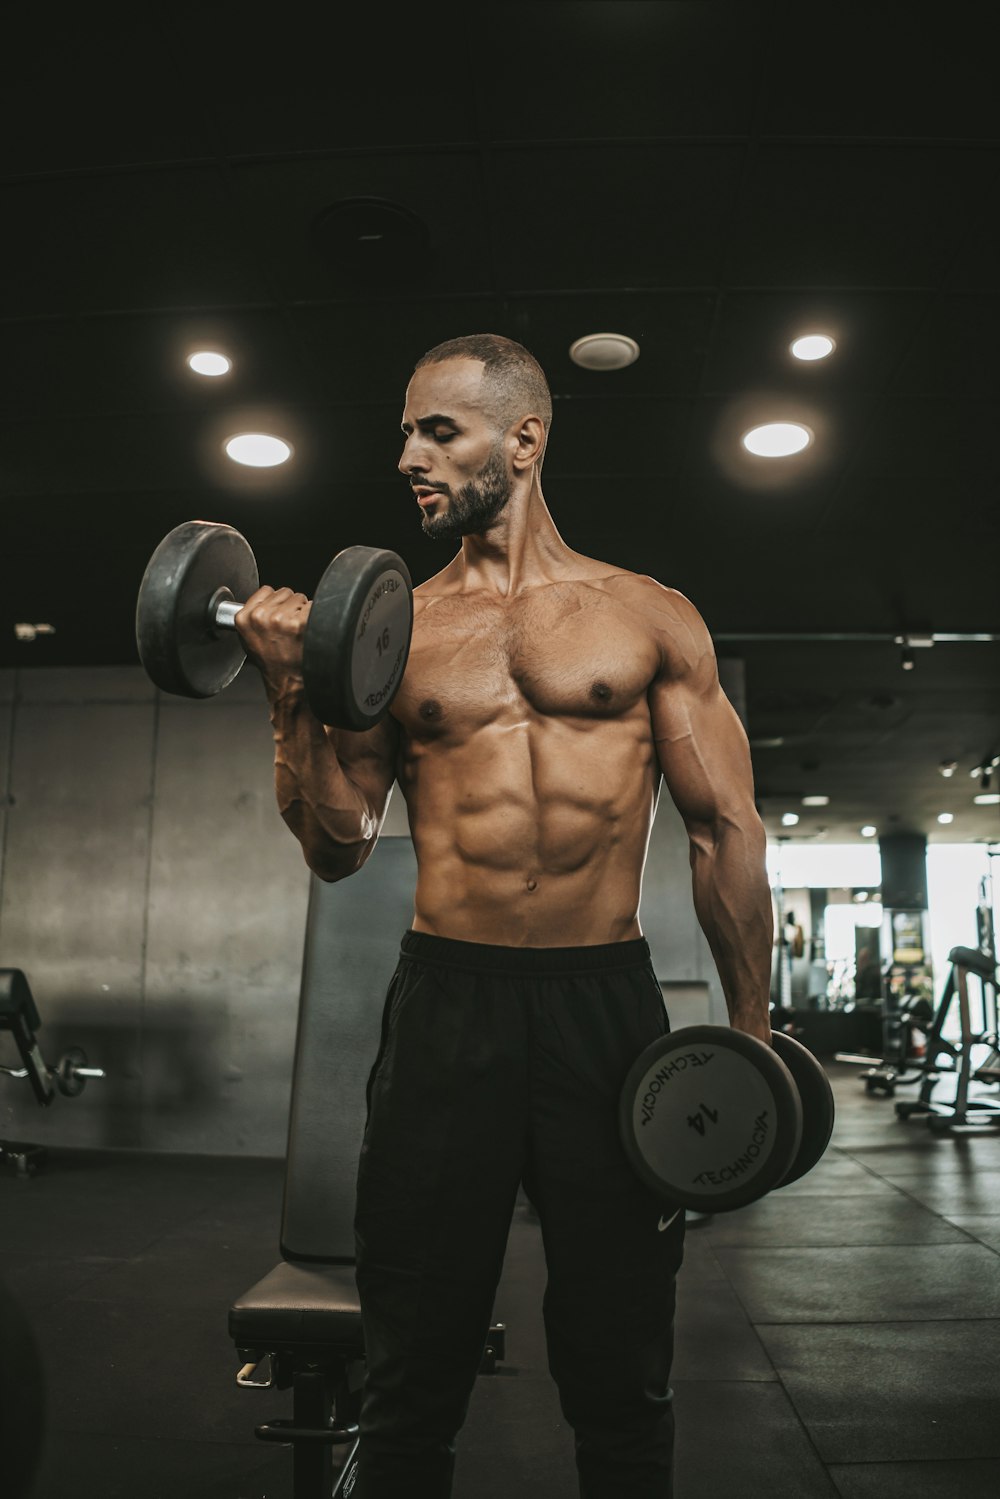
(527, 759)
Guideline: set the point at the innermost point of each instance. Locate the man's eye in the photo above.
(443, 436)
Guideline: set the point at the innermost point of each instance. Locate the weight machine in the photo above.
(900, 1062)
(19, 1015)
(971, 977)
(978, 963)
(907, 1005)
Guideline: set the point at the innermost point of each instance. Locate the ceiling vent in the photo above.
(372, 238)
(604, 351)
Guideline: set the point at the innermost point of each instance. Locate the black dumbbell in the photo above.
(356, 641)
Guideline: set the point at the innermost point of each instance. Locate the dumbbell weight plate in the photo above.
(710, 1118)
(816, 1096)
(179, 645)
(358, 637)
(68, 1081)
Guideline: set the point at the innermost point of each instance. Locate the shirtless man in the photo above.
(545, 695)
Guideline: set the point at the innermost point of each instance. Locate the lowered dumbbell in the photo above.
(356, 641)
(712, 1119)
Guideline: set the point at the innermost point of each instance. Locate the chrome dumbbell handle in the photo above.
(223, 609)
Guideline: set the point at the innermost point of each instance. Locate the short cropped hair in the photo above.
(514, 382)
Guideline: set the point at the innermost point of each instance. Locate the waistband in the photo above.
(484, 957)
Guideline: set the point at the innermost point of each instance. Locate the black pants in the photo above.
(500, 1065)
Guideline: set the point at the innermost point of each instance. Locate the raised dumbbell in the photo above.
(356, 641)
(712, 1119)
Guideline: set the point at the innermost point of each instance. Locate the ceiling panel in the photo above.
(125, 240)
(367, 79)
(954, 350)
(607, 216)
(94, 92)
(864, 215)
(952, 437)
(885, 70)
(977, 252)
(621, 70)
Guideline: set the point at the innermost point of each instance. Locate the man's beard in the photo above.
(474, 508)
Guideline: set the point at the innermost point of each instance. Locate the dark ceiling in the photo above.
(711, 179)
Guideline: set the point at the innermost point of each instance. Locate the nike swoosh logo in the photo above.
(666, 1224)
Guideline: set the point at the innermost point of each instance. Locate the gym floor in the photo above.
(841, 1337)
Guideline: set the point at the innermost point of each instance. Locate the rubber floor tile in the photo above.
(922, 1282)
(743, 1441)
(786, 1222)
(893, 1391)
(926, 1480)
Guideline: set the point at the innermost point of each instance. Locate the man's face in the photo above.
(452, 456)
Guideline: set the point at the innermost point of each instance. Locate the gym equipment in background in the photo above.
(19, 1015)
(975, 1056)
(900, 1063)
(962, 1112)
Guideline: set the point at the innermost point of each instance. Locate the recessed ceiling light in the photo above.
(946, 817)
(258, 450)
(815, 801)
(604, 351)
(789, 819)
(813, 346)
(868, 831)
(777, 439)
(987, 799)
(207, 362)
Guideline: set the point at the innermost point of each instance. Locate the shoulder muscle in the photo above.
(680, 633)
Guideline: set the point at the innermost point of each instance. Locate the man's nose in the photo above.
(411, 459)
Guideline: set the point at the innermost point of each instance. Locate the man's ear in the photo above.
(529, 437)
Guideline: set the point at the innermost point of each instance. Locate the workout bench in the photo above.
(304, 1317)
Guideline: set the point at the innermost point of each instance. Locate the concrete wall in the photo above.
(157, 904)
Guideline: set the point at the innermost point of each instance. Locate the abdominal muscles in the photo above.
(533, 833)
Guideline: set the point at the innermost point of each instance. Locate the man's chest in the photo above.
(559, 655)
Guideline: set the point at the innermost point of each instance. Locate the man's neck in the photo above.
(522, 550)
